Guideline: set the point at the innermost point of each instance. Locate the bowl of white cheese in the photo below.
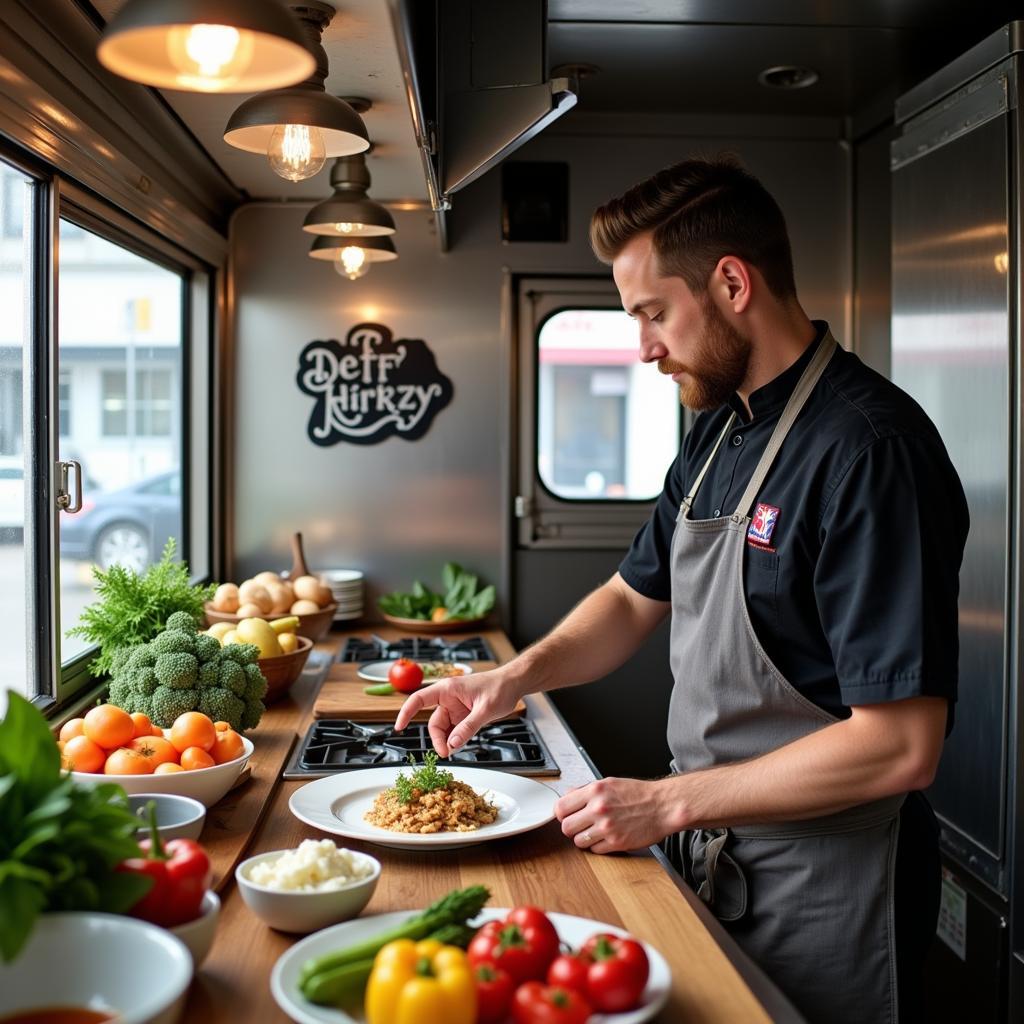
(308, 888)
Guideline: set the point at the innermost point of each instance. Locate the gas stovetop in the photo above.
(421, 648)
(338, 745)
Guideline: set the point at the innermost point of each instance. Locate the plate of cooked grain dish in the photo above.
(377, 671)
(423, 805)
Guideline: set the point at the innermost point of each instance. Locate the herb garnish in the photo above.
(425, 779)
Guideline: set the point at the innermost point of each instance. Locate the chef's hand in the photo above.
(462, 706)
(617, 814)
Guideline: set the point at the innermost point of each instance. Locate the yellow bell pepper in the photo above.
(420, 983)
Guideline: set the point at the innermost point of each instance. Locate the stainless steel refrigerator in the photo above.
(956, 220)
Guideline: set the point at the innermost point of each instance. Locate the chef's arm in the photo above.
(880, 750)
(596, 637)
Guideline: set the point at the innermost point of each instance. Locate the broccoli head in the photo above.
(253, 714)
(143, 681)
(207, 648)
(119, 660)
(179, 671)
(143, 704)
(184, 622)
(222, 706)
(255, 683)
(209, 674)
(232, 677)
(168, 703)
(174, 641)
(141, 657)
(120, 692)
(243, 654)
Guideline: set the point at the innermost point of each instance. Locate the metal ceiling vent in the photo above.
(788, 76)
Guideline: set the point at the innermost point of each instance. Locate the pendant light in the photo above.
(300, 127)
(350, 212)
(206, 45)
(352, 257)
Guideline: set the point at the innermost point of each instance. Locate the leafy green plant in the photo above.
(60, 843)
(133, 608)
(460, 599)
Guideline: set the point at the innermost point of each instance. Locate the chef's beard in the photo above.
(719, 366)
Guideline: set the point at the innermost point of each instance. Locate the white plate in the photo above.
(377, 671)
(337, 804)
(284, 978)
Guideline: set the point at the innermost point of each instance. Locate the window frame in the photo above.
(543, 518)
(90, 212)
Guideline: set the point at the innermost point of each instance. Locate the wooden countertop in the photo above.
(713, 982)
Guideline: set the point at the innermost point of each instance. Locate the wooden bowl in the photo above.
(281, 670)
(425, 626)
(314, 624)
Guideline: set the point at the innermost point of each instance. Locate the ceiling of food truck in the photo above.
(651, 56)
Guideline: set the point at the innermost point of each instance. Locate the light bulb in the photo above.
(209, 58)
(352, 262)
(296, 151)
(345, 228)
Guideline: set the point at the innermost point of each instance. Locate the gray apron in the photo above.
(811, 901)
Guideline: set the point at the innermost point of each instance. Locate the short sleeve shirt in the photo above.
(854, 593)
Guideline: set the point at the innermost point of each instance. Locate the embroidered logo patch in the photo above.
(762, 526)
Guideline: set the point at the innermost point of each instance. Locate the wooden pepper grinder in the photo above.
(298, 558)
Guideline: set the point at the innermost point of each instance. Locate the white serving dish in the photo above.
(198, 934)
(303, 912)
(207, 785)
(177, 816)
(99, 962)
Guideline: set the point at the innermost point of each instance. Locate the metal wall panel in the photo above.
(950, 350)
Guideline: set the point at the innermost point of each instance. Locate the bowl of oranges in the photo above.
(196, 757)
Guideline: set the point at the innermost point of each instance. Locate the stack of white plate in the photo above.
(347, 587)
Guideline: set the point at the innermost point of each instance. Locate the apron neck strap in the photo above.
(804, 386)
(687, 502)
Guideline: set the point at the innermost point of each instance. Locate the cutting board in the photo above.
(341, 696)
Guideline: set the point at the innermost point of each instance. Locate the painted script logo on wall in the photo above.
(370, 387)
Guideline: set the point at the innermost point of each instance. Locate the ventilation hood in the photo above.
(476, 79)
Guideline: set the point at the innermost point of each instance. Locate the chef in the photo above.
(807, 545)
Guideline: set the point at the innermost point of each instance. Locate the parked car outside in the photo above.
(128, 526)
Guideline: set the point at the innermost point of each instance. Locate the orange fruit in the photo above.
(167, 767)
(155, 749)
(196, 757)
(227, 746)
(125, 761)
(143, 726)
(80, 754)
(71, 728)
(222, 726)
(193, 729)
(109, 726)
(157, 731)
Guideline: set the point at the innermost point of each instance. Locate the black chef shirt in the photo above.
(854, 594)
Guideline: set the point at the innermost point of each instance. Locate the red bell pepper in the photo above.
(181, 875)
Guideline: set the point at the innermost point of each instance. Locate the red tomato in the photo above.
(535, 1003)
(617, 972)
(405, 676)
(494, 988)
(569, 972)
(523, 944)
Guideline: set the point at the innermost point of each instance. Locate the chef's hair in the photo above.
(699, 211)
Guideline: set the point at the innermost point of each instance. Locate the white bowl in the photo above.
(99, 962)
(303, 912)
(198, 934)
(207, 785)
(177, 817)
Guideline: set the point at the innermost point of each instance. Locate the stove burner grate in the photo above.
(420, 648)
(334, 745)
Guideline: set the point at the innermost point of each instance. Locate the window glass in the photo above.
(121, 338)
(14, 205)
(607, 424)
